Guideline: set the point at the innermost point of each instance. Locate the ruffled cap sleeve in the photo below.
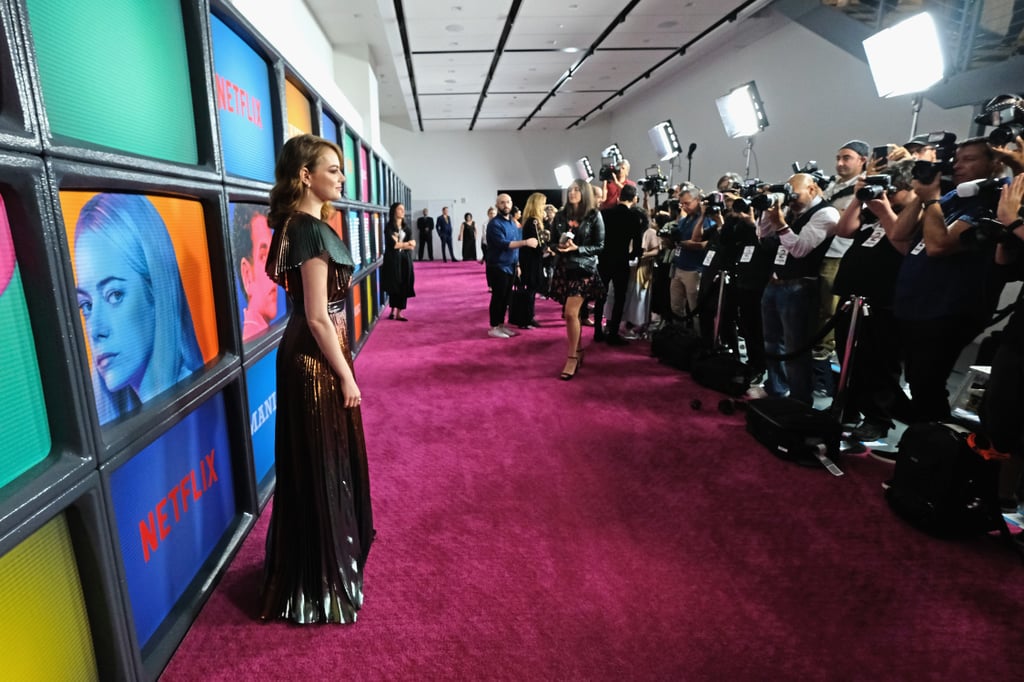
(303, 237)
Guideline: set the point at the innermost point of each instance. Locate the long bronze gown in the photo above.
(321, 527)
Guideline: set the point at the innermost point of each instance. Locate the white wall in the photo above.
(816, 97)
(467, 168)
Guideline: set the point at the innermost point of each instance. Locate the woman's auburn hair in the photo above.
(301, 151)
(587, 203)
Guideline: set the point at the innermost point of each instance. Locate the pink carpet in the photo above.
(530, 528)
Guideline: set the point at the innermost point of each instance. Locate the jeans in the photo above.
(789, 310)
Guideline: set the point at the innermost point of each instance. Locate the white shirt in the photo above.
(818, 228)
(840, 245)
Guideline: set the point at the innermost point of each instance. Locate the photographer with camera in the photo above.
(802, 235)
(613, 179)
(945, 292)
(688, 250)
(1003, 403)
(869, 270)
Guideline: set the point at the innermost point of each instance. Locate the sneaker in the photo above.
(509, 331)
(497, 333)
(630, 335)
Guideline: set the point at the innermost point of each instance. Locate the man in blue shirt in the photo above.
(688, 252)
(502, 258)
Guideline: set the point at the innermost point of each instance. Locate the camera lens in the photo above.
(1005, 134)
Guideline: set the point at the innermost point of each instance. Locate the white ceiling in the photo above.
(453, 46)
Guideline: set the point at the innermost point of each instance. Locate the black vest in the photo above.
(809, 265)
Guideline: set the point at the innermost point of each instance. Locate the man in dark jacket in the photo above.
(425, 226)
(624, 226)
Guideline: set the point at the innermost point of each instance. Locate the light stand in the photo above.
(915, 109)
(747, 152)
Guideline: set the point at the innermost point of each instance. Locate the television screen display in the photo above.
(354, 232)
(261, 303)
(300, 113)
(173, 501)
(328, 128)
(374, 186)
(22, 409)
(261, 385)
(242, 83)
(108, 78)
(337, 223)
(144, 292)
(44, 627)
(348, 147)
(369, 248)
(357, 311)
(364, 174)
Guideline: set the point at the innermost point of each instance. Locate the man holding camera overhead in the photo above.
(802, 233)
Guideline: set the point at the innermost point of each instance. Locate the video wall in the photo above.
(138, 326)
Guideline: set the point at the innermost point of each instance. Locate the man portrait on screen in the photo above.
(250, 238)
(137, 320)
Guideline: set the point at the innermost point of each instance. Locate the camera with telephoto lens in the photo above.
(747, 191)
(1006, 134)
(986, 231)
(874, 187)
(774, 195)
(714, 202)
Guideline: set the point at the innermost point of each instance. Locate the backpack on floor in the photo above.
(676, 343)
(942, 485)
(795, 432)
(721, 371)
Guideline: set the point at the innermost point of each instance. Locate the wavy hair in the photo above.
(301, 151)
(587, 203)
(535, 208)
(136, 234)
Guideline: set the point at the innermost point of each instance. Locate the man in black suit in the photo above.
(624, 226)
(425, 225)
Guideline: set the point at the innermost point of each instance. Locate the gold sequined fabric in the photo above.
(321, 526)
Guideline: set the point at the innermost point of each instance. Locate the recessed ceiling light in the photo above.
(451, 70)
(570, 50)
(554, 42)
(449, 80)
(532, 68)
(453, 28)
(671, 23)
(454, 43)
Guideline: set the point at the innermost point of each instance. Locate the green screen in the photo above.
(115, 74)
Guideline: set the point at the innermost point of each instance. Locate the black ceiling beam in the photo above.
(400, 15)
(726, 19)
(621, 17)
(498, 50)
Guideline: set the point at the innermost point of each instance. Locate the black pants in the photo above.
(873, 375)
(501, 291)
(619, 277)
(1003, 405)
(931, 349)
(427, 242)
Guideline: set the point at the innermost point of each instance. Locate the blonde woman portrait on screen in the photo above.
(137, 319)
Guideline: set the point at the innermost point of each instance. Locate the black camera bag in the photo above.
(676, 344)
(795, 432)
(721, 371)
(942, 486)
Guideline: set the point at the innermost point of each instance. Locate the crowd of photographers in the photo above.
(919, 239)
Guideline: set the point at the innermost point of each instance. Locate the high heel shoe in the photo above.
(579, 357)
(392, 315)
(565, 376)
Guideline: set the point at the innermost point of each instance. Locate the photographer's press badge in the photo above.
(748, 254)
(780, 255)
(876, 236)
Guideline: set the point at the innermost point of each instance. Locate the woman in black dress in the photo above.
(397, 277)
(321, 526)
(467, 235)
(577, 237)
(530, 259)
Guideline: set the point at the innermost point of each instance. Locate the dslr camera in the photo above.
(653, 181)
(714, 202)
(811, 168)
(774, 195)
(925, 172)
(747, 191)
(1006, 113)
(611, 161)
(874, 187)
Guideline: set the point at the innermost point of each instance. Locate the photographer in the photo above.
(801, 235)
(945, 293)
(1003, 403)
(612, 187)
(688, 251)
(624, 226)
(869, 270)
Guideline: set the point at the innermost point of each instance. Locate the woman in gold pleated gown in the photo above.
(321, 526)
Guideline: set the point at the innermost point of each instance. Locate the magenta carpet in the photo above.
(601, 529)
